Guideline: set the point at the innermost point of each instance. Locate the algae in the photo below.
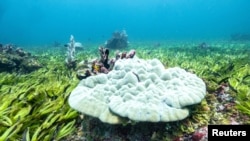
(34, 105)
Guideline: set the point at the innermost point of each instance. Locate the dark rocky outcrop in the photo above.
(13, 58)
(119, 40)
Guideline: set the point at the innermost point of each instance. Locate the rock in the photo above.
(12, 59)
(119, 40)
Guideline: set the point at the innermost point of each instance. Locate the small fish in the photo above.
(77, 45)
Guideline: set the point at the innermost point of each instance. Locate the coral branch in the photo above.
(70, 60)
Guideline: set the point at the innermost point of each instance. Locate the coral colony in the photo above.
(70, 60)
(119, 40)
(139, 90)
(170, 94)
(14, 58)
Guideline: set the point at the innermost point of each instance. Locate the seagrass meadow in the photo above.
(34, 106)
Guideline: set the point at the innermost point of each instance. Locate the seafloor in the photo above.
(33, 106)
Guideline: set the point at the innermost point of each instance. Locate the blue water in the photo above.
(38, 22)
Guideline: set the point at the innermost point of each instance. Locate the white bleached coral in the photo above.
(141, 90)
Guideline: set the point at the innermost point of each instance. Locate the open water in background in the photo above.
(39, 22)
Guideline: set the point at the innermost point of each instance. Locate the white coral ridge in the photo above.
(141, 90)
